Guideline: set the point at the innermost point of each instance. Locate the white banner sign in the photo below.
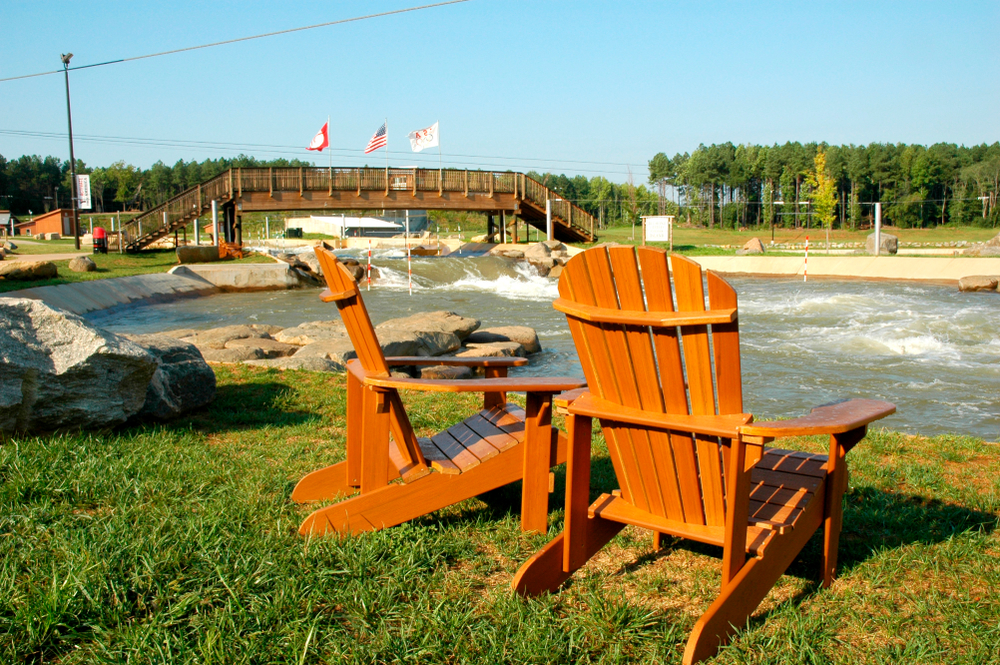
(657, 227)
(83, 191)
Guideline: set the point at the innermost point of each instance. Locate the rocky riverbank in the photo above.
(325, 345)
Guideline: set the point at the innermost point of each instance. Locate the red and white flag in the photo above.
(321, 140)
(378, 140)
(425, 138)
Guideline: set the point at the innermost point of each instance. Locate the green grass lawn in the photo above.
(178, 544)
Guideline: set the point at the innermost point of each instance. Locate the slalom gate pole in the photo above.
(805, 265)
(369, 264)
(409, 268)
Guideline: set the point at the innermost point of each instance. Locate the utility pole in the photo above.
(72, 160)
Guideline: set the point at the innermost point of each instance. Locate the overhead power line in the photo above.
(297, 151)
(238, 39)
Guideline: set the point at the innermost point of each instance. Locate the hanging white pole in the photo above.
(878, 228)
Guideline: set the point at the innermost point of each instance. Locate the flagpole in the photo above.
(329, 152)
(440, 160)
(387, 155)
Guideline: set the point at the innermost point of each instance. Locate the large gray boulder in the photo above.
(312, 331)
(336, 350)
(58, 371)
(978, 283)
(428, 322)
(217, 338)
(989, 248)
(296, 362)
(182, 382)
(888, 244)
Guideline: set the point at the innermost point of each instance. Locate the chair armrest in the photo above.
(395, 361)
(834, 418)
(563, 400)
(524, 384)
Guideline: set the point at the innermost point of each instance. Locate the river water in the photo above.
(931, 350)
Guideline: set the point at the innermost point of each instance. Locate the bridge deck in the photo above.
(317, 188)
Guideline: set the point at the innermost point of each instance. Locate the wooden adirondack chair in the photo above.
(496, 446)
(664, 381)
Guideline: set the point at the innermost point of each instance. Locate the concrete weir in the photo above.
(181, 281)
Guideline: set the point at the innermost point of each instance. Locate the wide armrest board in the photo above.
(828, 419)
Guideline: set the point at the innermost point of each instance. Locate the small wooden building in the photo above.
(57, 221)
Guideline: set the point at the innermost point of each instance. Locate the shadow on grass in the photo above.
(250, 405)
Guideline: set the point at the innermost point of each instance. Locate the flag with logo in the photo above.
(321, 140)
(425, 138)
(378, 140)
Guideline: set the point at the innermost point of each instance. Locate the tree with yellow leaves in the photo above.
(823, 193)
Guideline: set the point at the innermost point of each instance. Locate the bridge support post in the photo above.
(215, 222)
(548, 219)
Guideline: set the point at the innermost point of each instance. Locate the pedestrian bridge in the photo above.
(504, 194)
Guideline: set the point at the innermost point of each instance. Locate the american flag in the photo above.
(378, 141)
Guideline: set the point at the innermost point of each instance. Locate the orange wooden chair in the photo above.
(664, 381)
(496, 446)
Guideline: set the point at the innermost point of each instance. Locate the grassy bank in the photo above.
(177, 544)
(112, 265)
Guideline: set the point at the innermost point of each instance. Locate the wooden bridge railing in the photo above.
(183, 208)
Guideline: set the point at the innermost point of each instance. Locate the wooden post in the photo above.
(270, 182)
(466, 183)
(300, 182)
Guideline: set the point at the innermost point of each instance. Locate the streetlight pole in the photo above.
(72, 160)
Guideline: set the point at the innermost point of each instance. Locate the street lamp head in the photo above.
(66, 58)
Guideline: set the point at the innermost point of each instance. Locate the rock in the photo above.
(417, 342)
(312, 331)
(493, 350)
(82, 264)
(889, 244)
(51, 236)
(555, 272)
(752, 246)
(538, 251)
(197, 253)
(507, 252)
(543, 266)
(182, 382)
(989, 248)
(295, 362)
(9, 246)
(337, 350)
(180, 333)
(58, 371)
(523, 335)
(977, 283)
(28, 270)
(446, 372)
(269, 347)
(440, 321)
(216, 338)
(237, 355)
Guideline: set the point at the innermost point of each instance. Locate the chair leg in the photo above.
(325, 483)
(741, 597)
(543, 572)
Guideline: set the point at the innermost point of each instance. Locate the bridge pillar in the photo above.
(490, 229)
(229, 222)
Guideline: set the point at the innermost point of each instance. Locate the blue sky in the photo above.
(572, 87)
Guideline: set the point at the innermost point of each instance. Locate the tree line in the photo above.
(725, 185)
(32, 184)
(749, 185)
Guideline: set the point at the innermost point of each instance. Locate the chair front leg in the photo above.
(833, 509)
(537, 460)
(355, 415)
